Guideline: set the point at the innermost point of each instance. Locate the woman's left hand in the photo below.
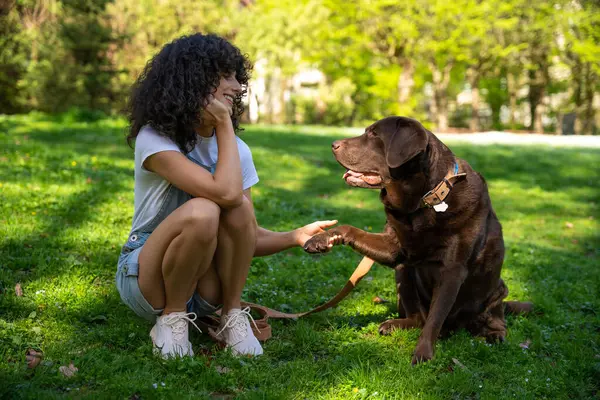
(306, 232)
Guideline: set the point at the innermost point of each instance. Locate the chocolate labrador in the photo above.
(442, 236)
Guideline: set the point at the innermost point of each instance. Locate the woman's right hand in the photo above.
(215, 112)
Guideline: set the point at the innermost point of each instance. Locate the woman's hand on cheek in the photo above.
(301, 235)
(215, 112)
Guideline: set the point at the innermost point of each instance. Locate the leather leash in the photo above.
(262, 329)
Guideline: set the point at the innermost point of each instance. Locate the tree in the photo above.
(581, 30)
(487, 49)
(279, 36)
(445, 30)
(14, 49)
(394, 35)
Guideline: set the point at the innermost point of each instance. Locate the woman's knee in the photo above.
(240, 218)
(201, 218)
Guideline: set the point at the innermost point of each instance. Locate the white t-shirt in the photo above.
(151, 189)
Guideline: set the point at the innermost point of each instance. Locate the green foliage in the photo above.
(66, 190)
(495, 93)
(409, 57)
(13, 61)
(339, 103)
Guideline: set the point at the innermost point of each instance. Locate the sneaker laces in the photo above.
(177, 324)
(237, 322)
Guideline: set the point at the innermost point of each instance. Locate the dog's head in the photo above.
(389, 155)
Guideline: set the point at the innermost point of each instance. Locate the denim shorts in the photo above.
(129, 289)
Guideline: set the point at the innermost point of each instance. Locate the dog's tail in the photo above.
(518, 307)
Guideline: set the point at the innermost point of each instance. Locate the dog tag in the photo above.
(440, 207)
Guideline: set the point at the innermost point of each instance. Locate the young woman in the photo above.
(194, 232)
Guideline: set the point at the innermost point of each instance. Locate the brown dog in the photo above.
(441, 236)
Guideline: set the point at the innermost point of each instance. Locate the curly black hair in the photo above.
(174, 85)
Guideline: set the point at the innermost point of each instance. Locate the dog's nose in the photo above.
(336, 145)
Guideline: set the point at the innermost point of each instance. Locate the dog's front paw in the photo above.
(320, 243)
(391, 325)
(423, 352)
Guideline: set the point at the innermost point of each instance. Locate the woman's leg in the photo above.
(224, 281)
(177, 254)
(235, 249)
(209, 286)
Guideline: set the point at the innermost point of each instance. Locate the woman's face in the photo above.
(229, 88)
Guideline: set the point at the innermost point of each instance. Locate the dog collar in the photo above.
(440, 192)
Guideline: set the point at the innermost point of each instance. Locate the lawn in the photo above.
(66, 199)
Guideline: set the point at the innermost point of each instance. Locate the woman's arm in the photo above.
(269, 242)
(225, 186)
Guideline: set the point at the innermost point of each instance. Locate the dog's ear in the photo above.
(406, 142)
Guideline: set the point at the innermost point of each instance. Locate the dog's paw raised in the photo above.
(317, 244)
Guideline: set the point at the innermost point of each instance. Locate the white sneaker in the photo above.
(170, 335)
(237, 334)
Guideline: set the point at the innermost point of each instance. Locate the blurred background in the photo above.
(461, 65)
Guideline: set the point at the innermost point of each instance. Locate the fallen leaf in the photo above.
(459, 363)
(68, 371)
(569, 225)
(379, 300)
(221, 396)
(525, 344)
(33, 358)
(222, 370)
(18, 290)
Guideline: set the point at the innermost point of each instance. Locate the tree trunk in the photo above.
(283, 101)
(442, 120)
(441, 80)
(275, 97)
(588, 113)
(538, 126)
(537, 89)
(405, 81)
(511, 86)
(473, 78)
(577, 74)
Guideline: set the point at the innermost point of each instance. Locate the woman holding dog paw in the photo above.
(194, 232)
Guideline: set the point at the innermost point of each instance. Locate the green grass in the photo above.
(66, 199)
